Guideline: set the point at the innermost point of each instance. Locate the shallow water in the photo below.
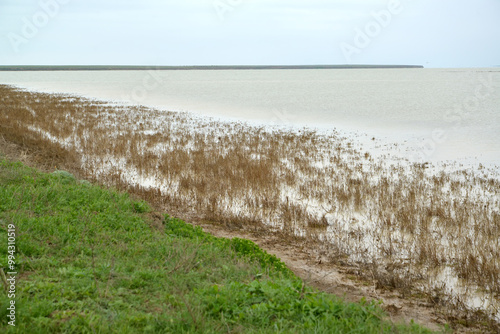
(433, 114)
(353, 228)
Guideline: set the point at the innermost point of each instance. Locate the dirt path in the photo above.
(304, 262)
(315, 270)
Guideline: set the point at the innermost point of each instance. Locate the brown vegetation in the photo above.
(406, 226)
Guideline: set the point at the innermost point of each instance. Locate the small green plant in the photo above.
(141, 207)
(64, 175)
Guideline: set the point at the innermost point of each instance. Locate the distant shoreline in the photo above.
(224, 67)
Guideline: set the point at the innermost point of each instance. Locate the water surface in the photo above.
(441, 114)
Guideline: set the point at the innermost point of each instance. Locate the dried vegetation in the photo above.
(403, 225)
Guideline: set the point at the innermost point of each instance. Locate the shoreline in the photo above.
(469, 137)
(183, 162)
(380, 143)
(312, 267)
(156, 268)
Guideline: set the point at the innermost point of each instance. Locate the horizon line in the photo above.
(195, 67)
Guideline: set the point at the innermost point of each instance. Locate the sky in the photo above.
(432, 33)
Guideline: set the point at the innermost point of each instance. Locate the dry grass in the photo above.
(403, 223)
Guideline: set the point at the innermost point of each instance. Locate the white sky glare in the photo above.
(439, 33)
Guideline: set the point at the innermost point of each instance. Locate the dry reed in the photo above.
(401, 223)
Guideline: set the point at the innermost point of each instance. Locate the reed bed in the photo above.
(408, 227)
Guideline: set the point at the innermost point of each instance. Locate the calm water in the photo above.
(442, 114)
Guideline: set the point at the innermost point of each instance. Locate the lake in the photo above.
(431, 114)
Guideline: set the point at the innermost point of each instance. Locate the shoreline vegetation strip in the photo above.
(406, 227)
(89, 260)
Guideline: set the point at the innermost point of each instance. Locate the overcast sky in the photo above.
(433, 33)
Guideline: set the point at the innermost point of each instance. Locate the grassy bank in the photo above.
(94, 260)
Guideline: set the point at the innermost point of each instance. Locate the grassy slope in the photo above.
(90, 262)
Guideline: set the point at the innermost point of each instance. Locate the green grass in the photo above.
(89, 261)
